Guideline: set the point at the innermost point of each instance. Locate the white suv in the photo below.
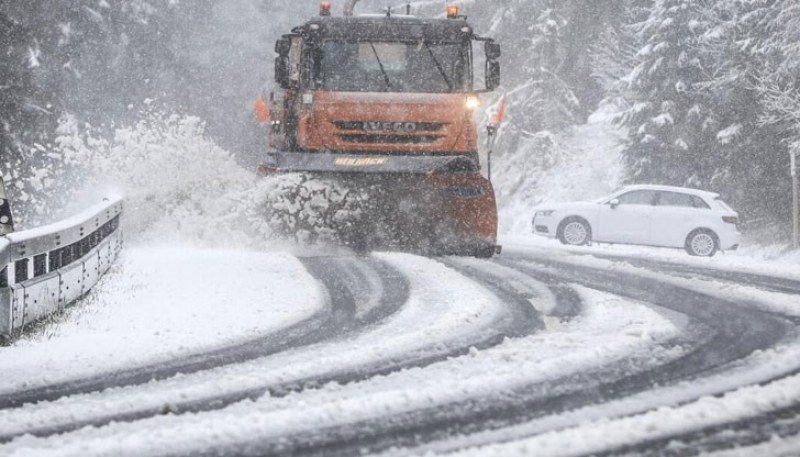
(695, 220)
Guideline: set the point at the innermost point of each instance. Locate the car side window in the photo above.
(699, 202)
(675, 199)
(637, 197)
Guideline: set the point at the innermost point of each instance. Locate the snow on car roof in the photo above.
(688, 190)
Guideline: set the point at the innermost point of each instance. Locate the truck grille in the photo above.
(398, 127)
(390, 139)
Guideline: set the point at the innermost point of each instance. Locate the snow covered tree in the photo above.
(88, 58)
(613, 53)
(670, 119)
(749, 154)
(26, 116)
(699, 109)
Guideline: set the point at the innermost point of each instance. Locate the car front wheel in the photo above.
(702, 243)
(575, 232)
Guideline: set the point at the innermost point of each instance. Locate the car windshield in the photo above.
(393, 67)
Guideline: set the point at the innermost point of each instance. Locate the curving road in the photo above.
(533, 352)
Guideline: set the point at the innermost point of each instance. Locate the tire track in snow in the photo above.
(750, 331)
(347, 281)
(761, 281)
(566, 302)
(754, 280)
(730, 320)
(340, 283)
(779, 424)
(270, 344)
(782, 422)
(524, 321)
(736, 336)
(740, 330)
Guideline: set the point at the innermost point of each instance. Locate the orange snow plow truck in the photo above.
(386, 103)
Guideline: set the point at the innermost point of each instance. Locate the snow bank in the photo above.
(611, 330)
(774, 261)
(163, 304)
(430, 323)
(584, 163)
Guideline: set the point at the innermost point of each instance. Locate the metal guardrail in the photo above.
(43, 270)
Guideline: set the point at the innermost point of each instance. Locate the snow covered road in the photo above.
(535, 352)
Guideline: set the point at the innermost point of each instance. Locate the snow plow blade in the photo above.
(287, 162)
(433, 205)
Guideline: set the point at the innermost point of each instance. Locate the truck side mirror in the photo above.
(492, 74)
(493, 51)
(492, 65)
(6, 221)
(282, 71)
(283, 46)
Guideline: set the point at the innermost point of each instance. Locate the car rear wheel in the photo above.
(702, 243)
(574, 231)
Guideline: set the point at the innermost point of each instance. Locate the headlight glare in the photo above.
(472, 102)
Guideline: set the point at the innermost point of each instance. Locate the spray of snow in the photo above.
(181, 188)
(178, 185)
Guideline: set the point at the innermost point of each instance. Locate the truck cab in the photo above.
(385, 84)
(387, 103)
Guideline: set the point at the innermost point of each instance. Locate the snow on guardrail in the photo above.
(44, 269)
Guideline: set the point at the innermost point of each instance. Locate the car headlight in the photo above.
(545, 213)
(473, 102)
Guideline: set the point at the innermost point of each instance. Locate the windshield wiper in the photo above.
(380, 64)
(439, 67)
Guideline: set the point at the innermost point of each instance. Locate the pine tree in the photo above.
(749, 155)
(670, 119)
(26, 116)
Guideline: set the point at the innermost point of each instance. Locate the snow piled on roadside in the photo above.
(765, 260)
(584, 163)
(430, 323)
(163, 304)
(611, 330)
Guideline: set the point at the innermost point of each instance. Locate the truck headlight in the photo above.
(472, 103)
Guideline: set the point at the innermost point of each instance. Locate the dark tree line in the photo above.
(95, 60)
(703, 100)
(706, 90)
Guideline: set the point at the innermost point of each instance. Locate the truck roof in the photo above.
(384, 28)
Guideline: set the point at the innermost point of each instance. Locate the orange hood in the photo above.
(399, 123)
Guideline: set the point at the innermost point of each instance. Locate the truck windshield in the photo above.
(392, 67)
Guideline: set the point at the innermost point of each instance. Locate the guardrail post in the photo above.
(6, 221)
(794, 149)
